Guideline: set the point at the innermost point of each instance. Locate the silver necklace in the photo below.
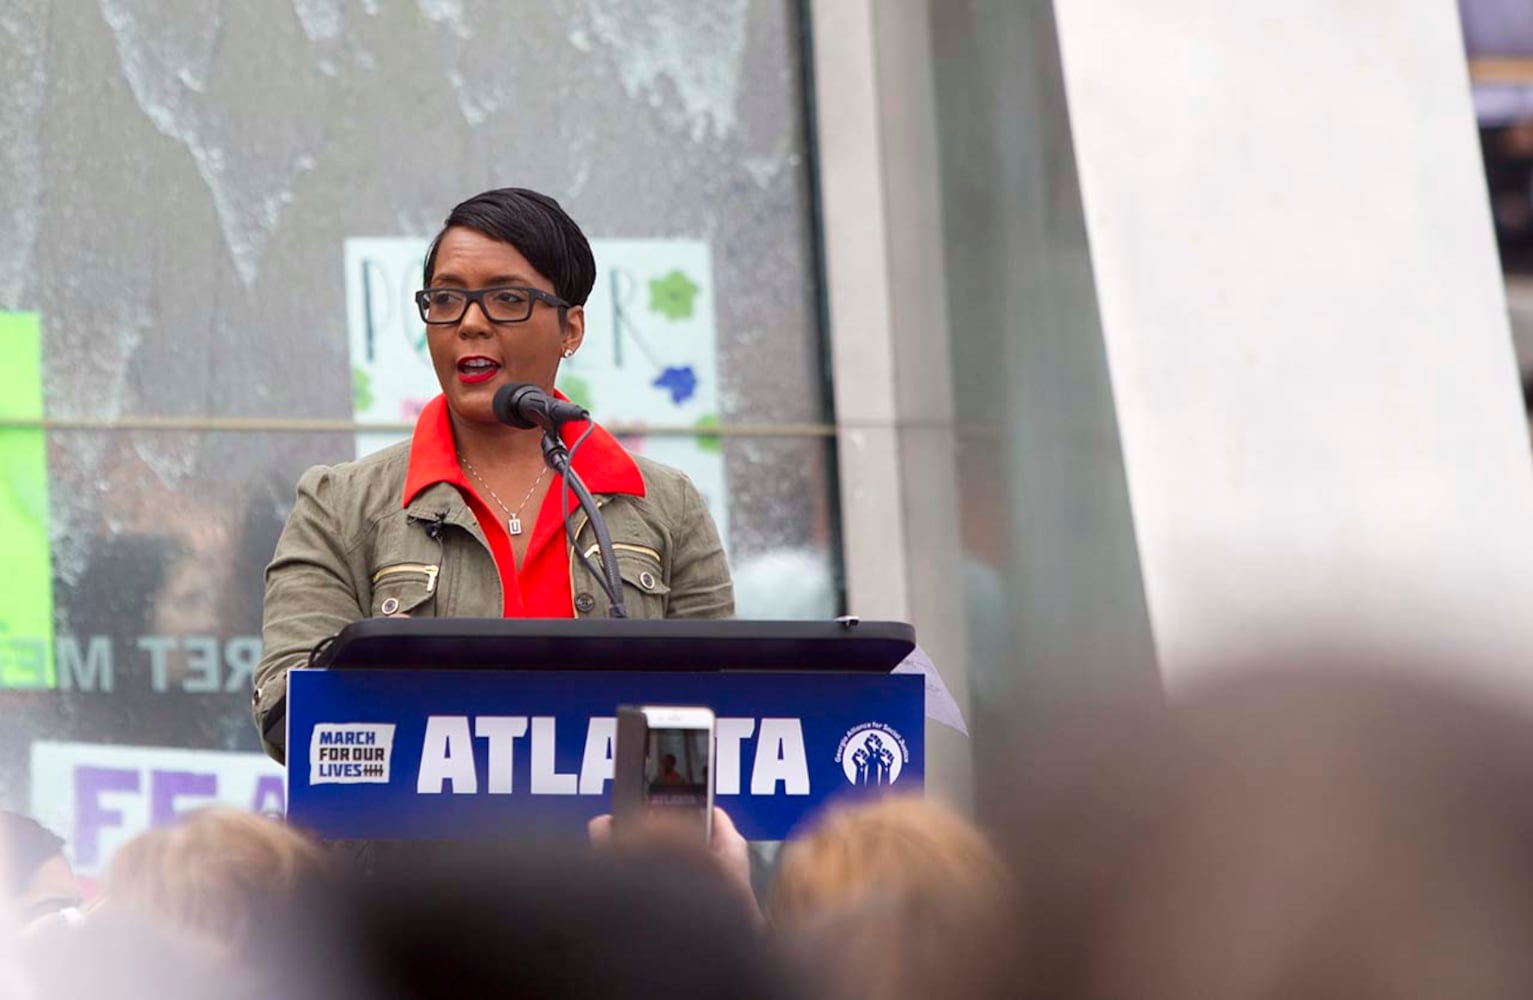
(514, 522)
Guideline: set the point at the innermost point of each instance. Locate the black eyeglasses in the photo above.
(502, 304)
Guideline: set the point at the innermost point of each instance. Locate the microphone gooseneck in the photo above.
(609, 579)
(525, 406)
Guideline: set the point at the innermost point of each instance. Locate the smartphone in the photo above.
(663, 764)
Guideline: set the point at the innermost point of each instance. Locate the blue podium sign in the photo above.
(442, 754)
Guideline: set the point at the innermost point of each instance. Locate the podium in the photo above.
(446, 729)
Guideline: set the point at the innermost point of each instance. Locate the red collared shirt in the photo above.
(541, 589)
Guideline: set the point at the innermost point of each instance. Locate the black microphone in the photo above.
(526, 406)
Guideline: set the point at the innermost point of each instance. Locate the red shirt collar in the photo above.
(603, 464)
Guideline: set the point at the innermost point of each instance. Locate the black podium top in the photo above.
(843, 645)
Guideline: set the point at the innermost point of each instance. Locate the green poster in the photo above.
(26, 571)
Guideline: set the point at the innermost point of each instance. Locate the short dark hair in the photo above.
(519, 919)
(27, 846)
(538, 228)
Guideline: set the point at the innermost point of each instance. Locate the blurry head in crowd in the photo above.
(895, 844)
(114, 956)
(220, 875)
(892, 898)
(1317, 833)
(35, 877)
(543, 922)
(904, 947)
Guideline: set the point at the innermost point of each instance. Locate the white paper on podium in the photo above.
(940, 704)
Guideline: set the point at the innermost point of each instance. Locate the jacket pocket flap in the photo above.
(641, 571)
(402, 589)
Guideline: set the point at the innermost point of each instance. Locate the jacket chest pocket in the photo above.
(645, 590)
(646, 593)
(405, 588)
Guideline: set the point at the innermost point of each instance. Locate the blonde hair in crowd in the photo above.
(219, 873)
(898, 845)
(896, 899)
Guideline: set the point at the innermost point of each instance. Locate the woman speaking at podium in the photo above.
(464, 520)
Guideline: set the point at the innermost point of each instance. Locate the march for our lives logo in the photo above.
(351, 753)
(872, 754)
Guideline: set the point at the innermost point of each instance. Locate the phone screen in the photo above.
(663, 766)
(676, 769)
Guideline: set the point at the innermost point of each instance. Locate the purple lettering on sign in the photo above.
(90, 817)
(165, 787)
(270, 797)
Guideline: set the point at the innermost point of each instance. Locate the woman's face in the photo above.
(474, 357)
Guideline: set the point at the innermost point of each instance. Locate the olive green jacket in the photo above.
(349, 549)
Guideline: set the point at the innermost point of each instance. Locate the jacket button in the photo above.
(585, 603)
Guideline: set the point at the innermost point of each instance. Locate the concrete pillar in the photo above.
(1306, 328)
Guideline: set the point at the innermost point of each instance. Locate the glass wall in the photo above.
(213, 213)
(1053, 584)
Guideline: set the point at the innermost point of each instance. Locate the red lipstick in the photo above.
(477, 368)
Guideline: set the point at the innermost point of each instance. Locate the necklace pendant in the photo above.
(515, 525)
